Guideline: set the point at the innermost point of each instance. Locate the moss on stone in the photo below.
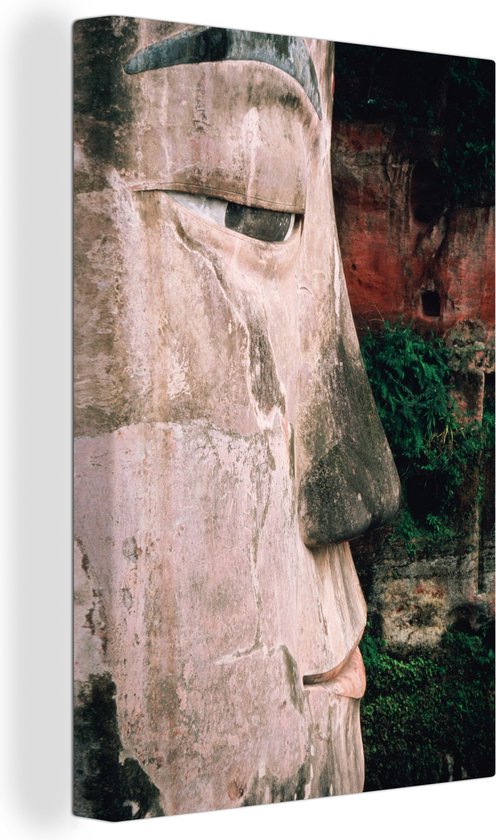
(351, 485)
(104, 788)
(280, 790)
(101, 90)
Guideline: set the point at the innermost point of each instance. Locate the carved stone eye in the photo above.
(266, 225)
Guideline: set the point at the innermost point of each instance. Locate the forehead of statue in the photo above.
(209, 44)
(237, 129)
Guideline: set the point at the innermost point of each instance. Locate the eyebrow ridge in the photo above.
(212, 44)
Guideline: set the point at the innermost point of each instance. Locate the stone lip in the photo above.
(347, 679)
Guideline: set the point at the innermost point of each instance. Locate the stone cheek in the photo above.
(283, 763)
(211, 622)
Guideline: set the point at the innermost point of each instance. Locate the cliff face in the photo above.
(418, 248)
(406, 252)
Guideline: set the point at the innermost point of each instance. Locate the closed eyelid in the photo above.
(214, 187)
(256, 223)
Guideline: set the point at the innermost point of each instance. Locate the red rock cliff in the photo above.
(405, 252)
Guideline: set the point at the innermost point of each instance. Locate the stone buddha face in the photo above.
(227, 445)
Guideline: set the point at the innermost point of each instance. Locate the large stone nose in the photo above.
(350, 484)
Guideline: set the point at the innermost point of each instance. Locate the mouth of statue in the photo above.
(347, 679)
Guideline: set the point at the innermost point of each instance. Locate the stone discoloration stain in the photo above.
(353, 485)
(85, 561)
(235, 790)
(294, 681)
(101, 90)
(265, 382)
(131, 549)
(268, 788)
(291, 450)
(96, 619)
(103, 787)
(325, 781)
(127, 598)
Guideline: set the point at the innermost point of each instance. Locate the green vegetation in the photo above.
(428, 713)
(435, 444)
(429, 716)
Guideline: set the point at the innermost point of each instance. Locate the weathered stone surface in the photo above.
(416, 599)
(105, 786)
(393, 252)
(214, 372)
(407, 254)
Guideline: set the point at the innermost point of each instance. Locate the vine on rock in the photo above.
(434, 441)
(428, 716)
(428, 713)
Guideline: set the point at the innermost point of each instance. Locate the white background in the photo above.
(35, 395)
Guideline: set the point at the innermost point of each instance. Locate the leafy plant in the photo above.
(428, 716)
(435, 443)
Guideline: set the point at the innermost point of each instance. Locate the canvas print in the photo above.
(272, 364)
